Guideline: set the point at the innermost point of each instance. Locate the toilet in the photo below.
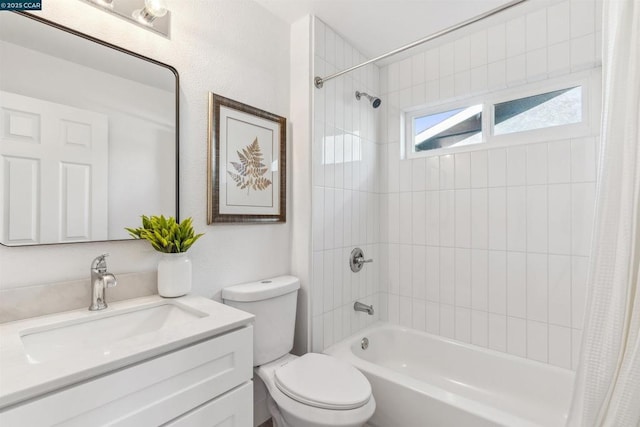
(313, 390)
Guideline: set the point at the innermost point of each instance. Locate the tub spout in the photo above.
(358, 306)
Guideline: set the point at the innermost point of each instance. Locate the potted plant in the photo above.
(172, 239)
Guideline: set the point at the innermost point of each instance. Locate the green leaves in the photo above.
(165, 234)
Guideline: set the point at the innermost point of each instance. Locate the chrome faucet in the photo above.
(358, 306)
(100, 280)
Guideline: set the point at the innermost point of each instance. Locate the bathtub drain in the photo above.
(364, 343)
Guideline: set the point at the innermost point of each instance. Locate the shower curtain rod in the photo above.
(319, 81)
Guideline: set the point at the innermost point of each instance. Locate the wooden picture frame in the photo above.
(246, 164)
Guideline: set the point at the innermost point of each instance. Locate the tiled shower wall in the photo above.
(346, 184)
(490, 246)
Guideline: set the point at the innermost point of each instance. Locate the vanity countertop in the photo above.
(42, 354)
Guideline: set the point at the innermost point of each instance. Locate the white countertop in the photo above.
(22, 379)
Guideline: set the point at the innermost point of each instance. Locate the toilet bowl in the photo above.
(313, 390)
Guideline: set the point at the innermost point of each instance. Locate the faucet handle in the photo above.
(100, 262)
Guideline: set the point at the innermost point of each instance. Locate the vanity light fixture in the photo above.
(149, 14)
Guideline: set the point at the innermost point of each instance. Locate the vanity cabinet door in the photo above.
(149, 393)
(232, 409)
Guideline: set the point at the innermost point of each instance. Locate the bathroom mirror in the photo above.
(88, 135)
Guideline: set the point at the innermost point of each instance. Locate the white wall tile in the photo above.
(497, 218)
(560, 290)
(516, 165)
(560, 219)
(433, 218)
(496, 43)
(419, 218)
(480, 328)
(418, 276)
(583, 160)
(517, 336)
(462, 51)
(418, 178)
(462, 167)
(515, 36)
(394, 269)
(582, 18)
(462, 277)
(327, 325)
(406, 315)
(479, 218)
(479, 79)
(537, 222)
(517, 284)
(317, 334)
(394, 309)
(559, 59)
(432, 273)
(462, 218)
(537, 341)
(478, 49)
(579, 269)
(463, 324)
(497, 286)
(560, 346)
(404, 73)
(497, 75)
(536, 29)
(462, 83)
(516, 70)
(537, 287)
(446, 60)
(582, 210)
(405, 175)
(418, 70)
(498, 332)
(583, 52)
(405, 218)
(576, 341)
(447, 87)
(559, 157)
(558, 16)
(419, 314)
(406, 258)
(497, 165)
(447, 218)
(432, 174)
(516, 218)
(432, 65)
(479, 169)
(447, 172)
(447, 277)
(433, 317)
(447, 321)
(318, 283)
(479, 279)
(537, 64)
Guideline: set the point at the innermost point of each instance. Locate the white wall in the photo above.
(234, 48)
(346, 182)
(490, 246)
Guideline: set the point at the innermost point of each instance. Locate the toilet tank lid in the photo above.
(261, 290)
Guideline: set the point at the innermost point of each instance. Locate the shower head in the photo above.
(375, 101)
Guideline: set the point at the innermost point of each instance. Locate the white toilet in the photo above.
(314, 390)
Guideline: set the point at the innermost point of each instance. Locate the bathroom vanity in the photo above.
(146, 361)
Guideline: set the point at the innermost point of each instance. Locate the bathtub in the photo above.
(423, 380)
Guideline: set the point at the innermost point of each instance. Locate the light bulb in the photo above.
(157, 8)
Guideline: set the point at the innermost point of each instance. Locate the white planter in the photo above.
(174, 275)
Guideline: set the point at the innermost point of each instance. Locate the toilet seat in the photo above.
(324, 382)
(299, 414)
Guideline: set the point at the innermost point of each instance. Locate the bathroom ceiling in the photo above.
(378, 26)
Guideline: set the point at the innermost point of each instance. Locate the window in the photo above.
(547, 111)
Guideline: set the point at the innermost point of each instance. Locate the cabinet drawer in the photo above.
(232, 409)
(148, 393)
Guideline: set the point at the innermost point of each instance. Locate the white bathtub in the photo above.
(422, 380)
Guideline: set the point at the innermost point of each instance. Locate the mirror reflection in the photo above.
(88, 138)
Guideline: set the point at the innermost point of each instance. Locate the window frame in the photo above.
(589, 81)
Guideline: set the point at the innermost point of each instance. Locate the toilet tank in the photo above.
(273, 303)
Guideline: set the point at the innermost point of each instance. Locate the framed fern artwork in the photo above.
(246, 163)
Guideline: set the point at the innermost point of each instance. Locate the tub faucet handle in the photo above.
(357, 260)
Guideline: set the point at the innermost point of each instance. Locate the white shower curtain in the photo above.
(607, 389)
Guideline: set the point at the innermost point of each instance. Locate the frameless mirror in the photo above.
(88, 135)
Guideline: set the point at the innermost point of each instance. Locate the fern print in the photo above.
(250, 170)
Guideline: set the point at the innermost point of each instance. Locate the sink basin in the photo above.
(102, 331)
